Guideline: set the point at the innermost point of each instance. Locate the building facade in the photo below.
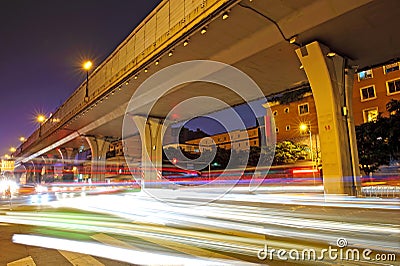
(373, 89)
(290, 117)
(236, 140)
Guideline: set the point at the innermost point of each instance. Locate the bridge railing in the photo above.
(170, 20)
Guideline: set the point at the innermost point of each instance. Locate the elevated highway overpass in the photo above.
(268, 40)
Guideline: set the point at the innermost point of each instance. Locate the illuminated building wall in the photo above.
(235, 140)
(289, 117)
(373, 89)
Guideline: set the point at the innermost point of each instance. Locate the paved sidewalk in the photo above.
(12, 254)
(15, 254)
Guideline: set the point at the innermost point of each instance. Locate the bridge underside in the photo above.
(255, 39)
(250, 41)
(253, 44)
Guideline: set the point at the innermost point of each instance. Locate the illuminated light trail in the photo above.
(305, 171)
(149, 233)
(114, 253)
(238, 224)
(224, 217)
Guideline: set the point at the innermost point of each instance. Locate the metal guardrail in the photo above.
(381, 191)
(171, 20)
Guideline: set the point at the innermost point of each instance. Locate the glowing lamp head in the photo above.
(303, 127)
(40, 118)
(87, 65)
(13, 149)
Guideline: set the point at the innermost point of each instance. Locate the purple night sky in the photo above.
(43, 44)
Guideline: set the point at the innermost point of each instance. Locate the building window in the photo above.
(367, 93)
(393, 86)
(303, 109)
(287, 127)
(286, 110)
(370, 114)
(275, 113)
(391, 67)
(366, 74)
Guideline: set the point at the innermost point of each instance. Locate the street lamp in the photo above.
(22, 139)
(307, 129)
(12, 150)
(87, 66)
(40, 119)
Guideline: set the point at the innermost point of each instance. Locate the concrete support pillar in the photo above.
(28, 176)
(45, 169)
(33, 172)
(68, 161)
(68, 155)
(151, 133)
(99, 147)
(332, 96)
(20, 174)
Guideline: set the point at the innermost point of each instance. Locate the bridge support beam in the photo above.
(99, 148)
(68, 155)
(35, 170)
(30, 171)
(68, 161)
(151, 133)
(331, 84)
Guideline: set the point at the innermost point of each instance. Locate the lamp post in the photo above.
(40, 119)
(12, 150)
(307, 128)
(87, 66)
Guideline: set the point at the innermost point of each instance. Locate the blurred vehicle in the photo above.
(8, 187)
(177, 174)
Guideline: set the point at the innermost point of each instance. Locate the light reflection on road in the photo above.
(235, 227)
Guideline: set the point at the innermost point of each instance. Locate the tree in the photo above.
(393, 107)
(373, 144)
(288, 152)
(262, 156)
(221, 158)
(378, 142)
(254, 155)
